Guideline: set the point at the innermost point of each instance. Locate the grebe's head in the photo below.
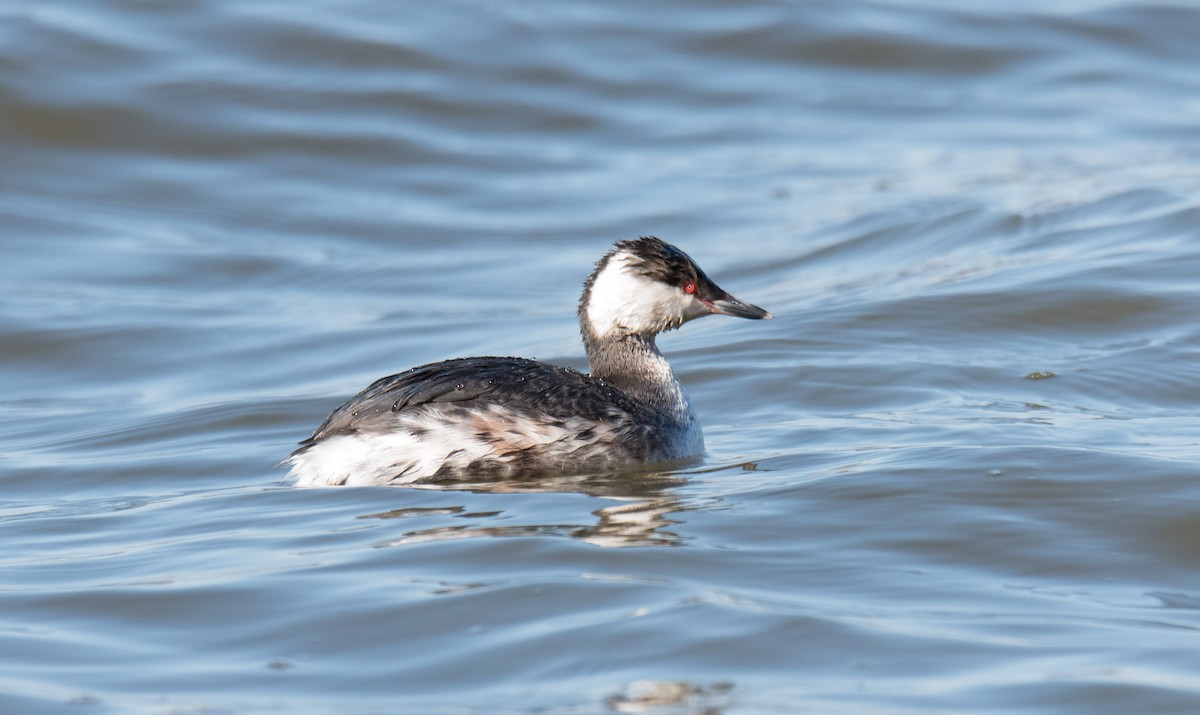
(646, 286)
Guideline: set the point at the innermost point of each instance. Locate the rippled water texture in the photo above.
(958, 473)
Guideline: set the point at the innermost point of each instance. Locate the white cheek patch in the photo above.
(624, 302)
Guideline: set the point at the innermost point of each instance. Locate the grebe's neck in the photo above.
(633, 364)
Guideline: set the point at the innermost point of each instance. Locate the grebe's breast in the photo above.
(492, 417)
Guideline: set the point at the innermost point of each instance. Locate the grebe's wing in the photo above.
(520, 383)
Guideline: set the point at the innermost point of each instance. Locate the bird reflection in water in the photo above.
(672, 696)
(639, 516)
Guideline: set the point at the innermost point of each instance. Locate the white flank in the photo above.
(449, 441)
(395, 457)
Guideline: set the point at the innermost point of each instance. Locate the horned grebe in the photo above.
(498, 417)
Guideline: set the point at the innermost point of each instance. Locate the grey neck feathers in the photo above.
(633, 364)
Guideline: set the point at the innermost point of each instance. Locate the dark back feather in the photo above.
(525, 386)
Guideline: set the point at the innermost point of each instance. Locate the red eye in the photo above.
(689, 287)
